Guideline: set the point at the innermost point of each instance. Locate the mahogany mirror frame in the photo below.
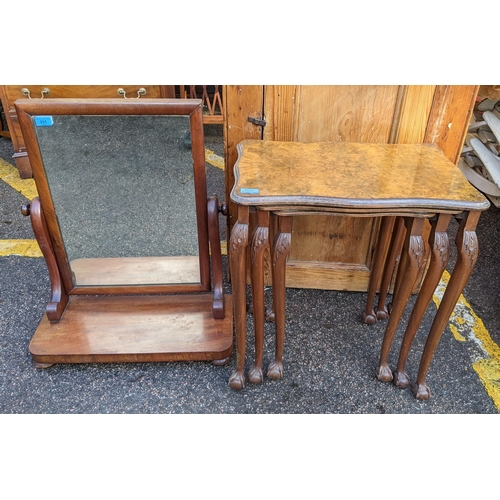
(28, 108)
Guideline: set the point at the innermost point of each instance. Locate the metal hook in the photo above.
(141, 91)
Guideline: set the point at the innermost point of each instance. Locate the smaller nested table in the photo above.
(407, 182)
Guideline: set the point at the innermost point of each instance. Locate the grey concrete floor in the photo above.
(330, 356)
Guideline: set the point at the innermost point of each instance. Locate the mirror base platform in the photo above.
(137, 328)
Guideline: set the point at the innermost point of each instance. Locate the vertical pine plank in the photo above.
(280, 107)
(449, 118)
(415, 114)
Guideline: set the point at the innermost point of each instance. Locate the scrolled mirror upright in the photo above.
(122, 207)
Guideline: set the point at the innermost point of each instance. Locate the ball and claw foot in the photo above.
(369, 319)
(384, 373)
(270, 316)
(401, 379)
(421, 391)
(382, 313)
(221, 362)
(255, 375)
(275, 370)
(237, 380)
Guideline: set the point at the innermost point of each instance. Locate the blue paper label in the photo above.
(249, 191)
(44, 121)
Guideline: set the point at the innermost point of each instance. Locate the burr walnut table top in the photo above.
(356, 178)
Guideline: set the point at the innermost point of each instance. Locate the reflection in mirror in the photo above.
(124, 196)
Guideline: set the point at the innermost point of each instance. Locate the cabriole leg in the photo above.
(411, 262)
(260, 243)
(386, 228)
(397, 239)
(467, 247)
(237, 244)
(440, 252)
(280, 251)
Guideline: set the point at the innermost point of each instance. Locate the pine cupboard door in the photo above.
(334, 252)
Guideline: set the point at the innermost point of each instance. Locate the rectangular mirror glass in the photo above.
(123, 192)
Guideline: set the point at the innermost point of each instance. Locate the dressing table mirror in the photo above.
(130, 239)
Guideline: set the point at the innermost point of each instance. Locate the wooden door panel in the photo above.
(350, 113)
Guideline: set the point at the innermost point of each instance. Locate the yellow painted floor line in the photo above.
(466, 326)
(10, 175)
(213, 159)
(24, 248)
(29, 248)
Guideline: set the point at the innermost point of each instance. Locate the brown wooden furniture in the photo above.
(385, 114)
(4, 131)
(10, 93)
(412, 182)
(124, 223)
(211, 95)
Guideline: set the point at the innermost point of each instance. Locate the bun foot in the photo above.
(401, 379)
(255, 375)
(382, 313)
(237, 380)
(36, 364)
(369, 319)
(384, 373)
(421, 391)
(221, 362)
(275, 370)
